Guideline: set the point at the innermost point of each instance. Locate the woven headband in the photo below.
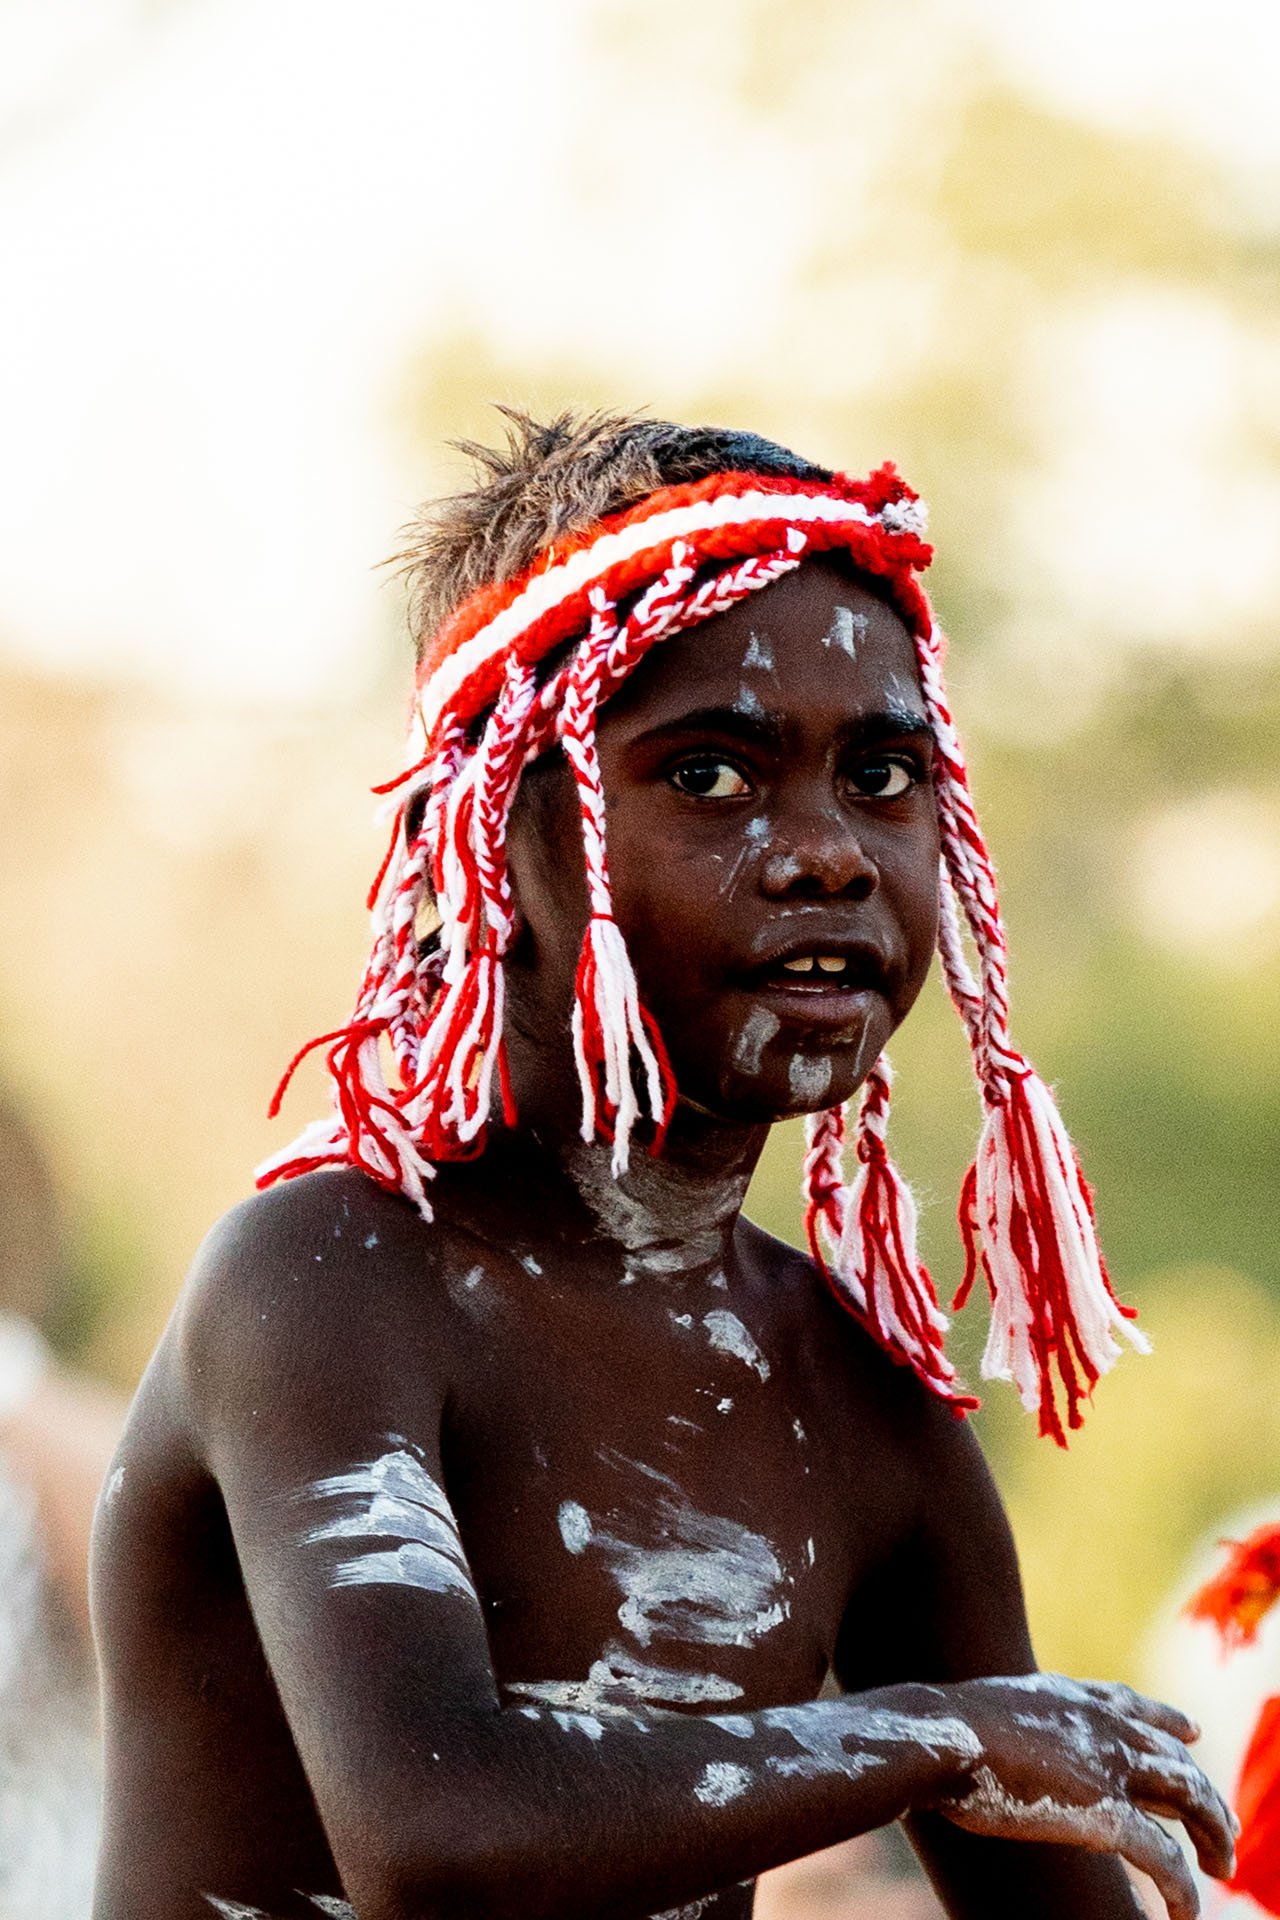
(420, 1067)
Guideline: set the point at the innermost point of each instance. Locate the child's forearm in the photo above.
(554, 1812)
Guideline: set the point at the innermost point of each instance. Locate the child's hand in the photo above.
(1087, 1763)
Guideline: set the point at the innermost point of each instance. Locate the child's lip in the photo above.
(815, 1006)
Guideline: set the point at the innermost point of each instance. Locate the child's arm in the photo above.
(1064, 1762)
(323, 1427)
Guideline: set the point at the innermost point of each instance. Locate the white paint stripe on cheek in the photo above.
(393, 1498)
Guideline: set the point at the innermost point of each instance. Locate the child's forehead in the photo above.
(822, 634)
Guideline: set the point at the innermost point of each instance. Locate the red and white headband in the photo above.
(525, 665)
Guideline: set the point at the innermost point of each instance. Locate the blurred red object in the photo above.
(1258, 1805)
(1237, 1599)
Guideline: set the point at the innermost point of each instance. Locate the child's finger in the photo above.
(1139, 1706)
(1149, 1848)
(1183, 1793)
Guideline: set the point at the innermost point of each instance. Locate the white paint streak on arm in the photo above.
(721, 1782)
(393, 1498)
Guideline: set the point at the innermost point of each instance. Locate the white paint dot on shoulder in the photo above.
(575, 1526)
(810, 1550)
(370, 1242)
(472, 1279)
(683, 1319)
(724, 1406)
(529, 1264)
(721, 1782)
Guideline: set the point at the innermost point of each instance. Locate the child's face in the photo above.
(769, 795)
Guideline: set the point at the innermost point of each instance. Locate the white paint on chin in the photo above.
(809, 1078)
(728, 1335)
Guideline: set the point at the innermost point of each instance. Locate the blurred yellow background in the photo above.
(266, 259)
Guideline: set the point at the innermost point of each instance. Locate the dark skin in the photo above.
(486, 1567)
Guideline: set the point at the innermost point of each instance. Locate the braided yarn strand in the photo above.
(419, 1070)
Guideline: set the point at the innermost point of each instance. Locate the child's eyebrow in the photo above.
(768, 729)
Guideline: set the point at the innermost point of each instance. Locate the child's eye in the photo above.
(709, 778)
(886, 779)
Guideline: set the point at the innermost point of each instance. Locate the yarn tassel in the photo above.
(611, 1030)
(1027, 1220)
(863, 1239)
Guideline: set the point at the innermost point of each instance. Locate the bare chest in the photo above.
(651, 1501)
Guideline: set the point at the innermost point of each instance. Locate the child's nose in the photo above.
(821, 858)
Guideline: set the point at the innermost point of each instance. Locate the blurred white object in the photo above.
(24, 1362)
(49, 1775)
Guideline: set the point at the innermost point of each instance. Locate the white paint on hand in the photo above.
(728, 1335)
(393, 1498)
(722, 1782)
(1101, 1823)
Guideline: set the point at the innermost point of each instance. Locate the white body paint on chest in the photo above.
(684, 1576)
(688, 1576)
(393, 1498)
(728, 1335)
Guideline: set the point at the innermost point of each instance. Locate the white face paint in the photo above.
(848, 630)
(687, 1576)
(809, 1078)
(396, 1499)
(728, 1335)
(759, 654)
(722, 1782)
(758, 1030)
(748, 702)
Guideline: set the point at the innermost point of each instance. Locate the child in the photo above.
(499, 1499)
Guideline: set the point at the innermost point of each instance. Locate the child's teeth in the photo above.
(803, 963)
(831, 962)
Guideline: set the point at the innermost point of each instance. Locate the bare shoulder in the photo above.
(302, 1286)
